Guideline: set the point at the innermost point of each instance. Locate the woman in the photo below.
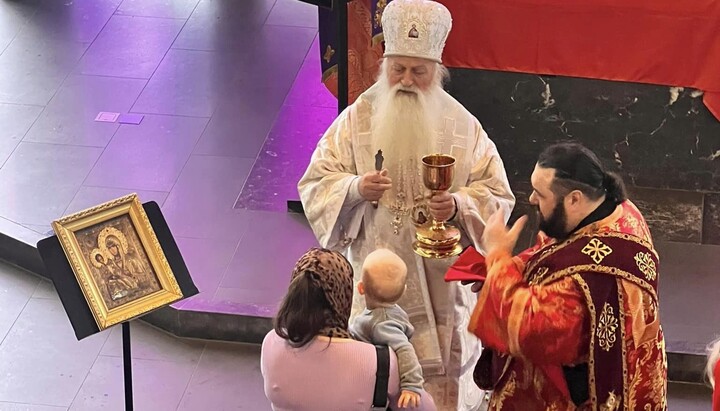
(713, 371)
(309, 361)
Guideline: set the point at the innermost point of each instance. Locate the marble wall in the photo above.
(662, 140)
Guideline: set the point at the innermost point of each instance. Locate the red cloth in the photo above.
(716, 391)
(470, 266)
(668, 42)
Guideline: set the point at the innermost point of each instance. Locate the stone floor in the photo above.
(45, 368)
(231, 94)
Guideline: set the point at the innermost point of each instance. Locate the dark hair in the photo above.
(303, 313)
(578, 168)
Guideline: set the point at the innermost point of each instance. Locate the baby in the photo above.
(384, 323)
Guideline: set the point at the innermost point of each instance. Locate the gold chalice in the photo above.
(439, 239)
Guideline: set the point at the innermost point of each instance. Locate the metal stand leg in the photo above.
(127, 366)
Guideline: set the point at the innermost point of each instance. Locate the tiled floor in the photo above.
(44, 368)
(233, 104)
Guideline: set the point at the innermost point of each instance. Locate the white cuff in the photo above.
(353, 196)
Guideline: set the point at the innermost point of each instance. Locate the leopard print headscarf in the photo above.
(330, 271)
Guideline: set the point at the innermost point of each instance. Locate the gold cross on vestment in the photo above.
(597, 250)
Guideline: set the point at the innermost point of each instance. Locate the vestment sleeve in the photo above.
(545, 324)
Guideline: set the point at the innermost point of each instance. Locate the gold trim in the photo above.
(552, 248)
(606, 328)
(329, 72)
(540, 274)
(646, 265)
(507, 391)
(66, 227)
(629, 237)
(546, 251)
(576, 269)
(514, 323)
(380, 8)
(611, 403)
(591, 352)
(377, 39)
(329, 52)
(621, 315)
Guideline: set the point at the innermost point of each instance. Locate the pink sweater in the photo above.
(339, 376)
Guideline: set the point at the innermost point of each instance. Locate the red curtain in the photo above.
(674, 43)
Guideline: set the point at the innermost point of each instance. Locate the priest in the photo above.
(363, 189)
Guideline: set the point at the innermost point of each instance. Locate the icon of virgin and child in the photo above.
(120, 265)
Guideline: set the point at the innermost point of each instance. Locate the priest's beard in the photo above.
(404, 125)
(555, 226)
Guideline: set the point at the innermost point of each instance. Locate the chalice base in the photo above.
(434, 243)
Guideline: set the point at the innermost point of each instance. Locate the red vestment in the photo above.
(590, 299)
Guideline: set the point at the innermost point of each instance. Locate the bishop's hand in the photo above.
(373, 184)
(442, 206)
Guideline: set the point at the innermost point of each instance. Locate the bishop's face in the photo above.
(412, 73)
(406, 113)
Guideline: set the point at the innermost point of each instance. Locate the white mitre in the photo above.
(416, 28)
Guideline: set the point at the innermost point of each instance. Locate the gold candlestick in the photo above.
(439, 239)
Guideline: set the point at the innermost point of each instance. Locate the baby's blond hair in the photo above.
(384, 275)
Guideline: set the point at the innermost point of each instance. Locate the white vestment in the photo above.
(439, 311)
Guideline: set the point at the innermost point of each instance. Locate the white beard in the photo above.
(405, 125)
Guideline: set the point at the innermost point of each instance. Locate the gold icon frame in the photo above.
(126, 216)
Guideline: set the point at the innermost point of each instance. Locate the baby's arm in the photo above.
(356, 328)
(392, 334)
